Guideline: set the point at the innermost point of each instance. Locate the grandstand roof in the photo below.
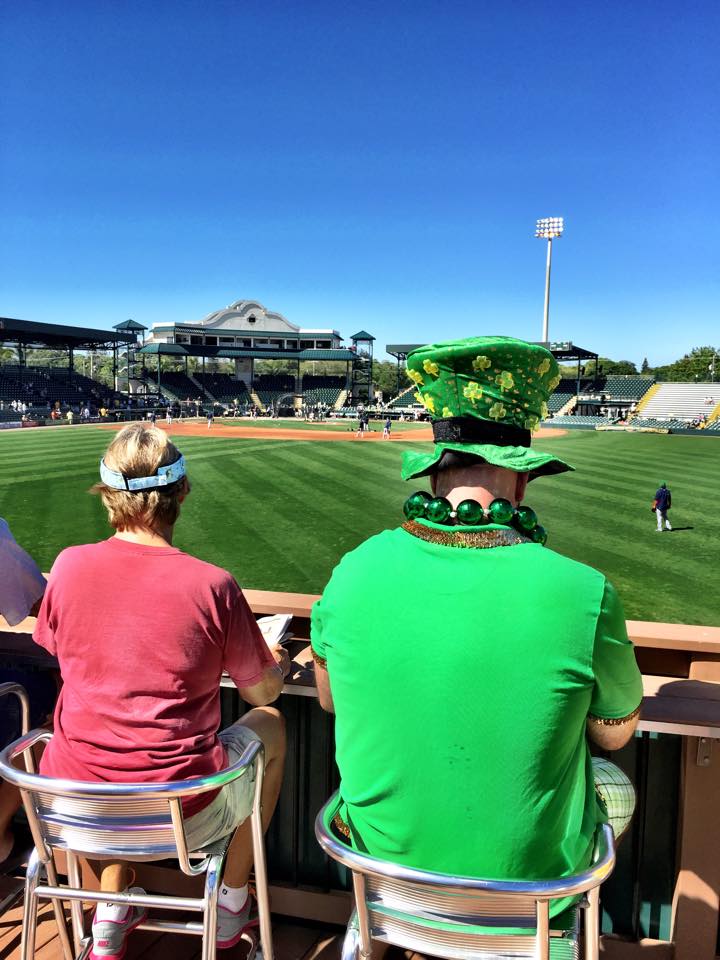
(258, 353)
(30, 333)
(401, 350)
(564, 350)
(129, 325)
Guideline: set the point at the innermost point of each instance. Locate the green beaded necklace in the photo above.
(421, 506)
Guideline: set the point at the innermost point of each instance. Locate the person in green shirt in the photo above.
(466, 691)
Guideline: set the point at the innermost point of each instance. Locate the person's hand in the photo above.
(282, 658)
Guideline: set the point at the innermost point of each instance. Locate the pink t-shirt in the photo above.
(143, 635)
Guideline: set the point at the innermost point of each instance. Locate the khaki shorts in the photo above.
(234, 802)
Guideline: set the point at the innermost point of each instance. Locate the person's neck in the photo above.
(160, 536)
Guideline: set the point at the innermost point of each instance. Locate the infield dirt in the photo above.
(183, 429)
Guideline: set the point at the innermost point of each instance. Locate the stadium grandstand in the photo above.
(40, 388)
(246, 333)
(640, 403)
(151, 367)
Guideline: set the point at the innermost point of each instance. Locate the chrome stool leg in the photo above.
(30, 908)
(261, 879)
(351, 943)
(76, 907)
(212, 889)
(59, 912)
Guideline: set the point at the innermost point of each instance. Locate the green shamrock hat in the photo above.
(486, 396)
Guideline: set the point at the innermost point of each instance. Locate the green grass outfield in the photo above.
(280, 514)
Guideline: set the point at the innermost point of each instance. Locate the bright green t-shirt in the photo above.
(462, 680)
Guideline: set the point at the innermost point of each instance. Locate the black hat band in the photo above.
(472, 430)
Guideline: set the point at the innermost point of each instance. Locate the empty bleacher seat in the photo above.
(684, 401)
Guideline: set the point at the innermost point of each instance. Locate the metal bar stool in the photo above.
(462, 917)
(130, 822)
(19, 692)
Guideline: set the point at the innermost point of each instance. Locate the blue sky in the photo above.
(376, 165)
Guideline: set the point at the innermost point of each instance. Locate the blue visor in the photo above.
(163, 478)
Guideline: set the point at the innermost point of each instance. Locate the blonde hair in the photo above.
(138, 451)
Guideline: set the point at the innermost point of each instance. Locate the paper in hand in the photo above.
(275, 628)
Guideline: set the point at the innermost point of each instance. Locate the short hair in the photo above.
(455, 460)
(138, 451)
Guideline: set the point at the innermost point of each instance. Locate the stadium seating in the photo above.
(406, 398)
(323, 390)
(271, 388)
(558, 400)
(38, 386)
(578, 421)
(178, 386)
(223, 387)
(684, 401)
(624, 387)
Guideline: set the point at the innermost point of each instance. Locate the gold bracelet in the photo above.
(606, 722)
(320, 661)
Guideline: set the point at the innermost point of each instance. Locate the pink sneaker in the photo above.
(231, 926)
(111, 925)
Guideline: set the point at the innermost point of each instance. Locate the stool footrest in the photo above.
(137, 899)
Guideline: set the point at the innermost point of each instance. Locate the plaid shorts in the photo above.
(616, 794)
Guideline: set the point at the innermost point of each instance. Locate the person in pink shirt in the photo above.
(140, 698)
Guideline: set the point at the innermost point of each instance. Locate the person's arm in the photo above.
(22, 585)
(612, 736)
(267, 689)
(318, 641)
(257, 671)
(322, 681)
(615, 704)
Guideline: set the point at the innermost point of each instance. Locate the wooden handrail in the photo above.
(683, 637)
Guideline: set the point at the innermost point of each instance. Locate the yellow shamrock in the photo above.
(544, 367)
(473, 391)
(497, 411)
(415, 376)
(531, 423)
(419, 398)
(552, 384)
(429, 404)
(543, 410)
(505, 380)
(447, 412)
(430, 367)
(481, 363)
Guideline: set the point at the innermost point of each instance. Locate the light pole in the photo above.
(547, 229)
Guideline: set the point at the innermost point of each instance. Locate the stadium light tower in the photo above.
(547, 229)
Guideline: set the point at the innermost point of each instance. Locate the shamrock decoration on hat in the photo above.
(485, 395)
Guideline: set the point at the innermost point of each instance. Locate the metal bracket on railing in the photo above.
(704, 752)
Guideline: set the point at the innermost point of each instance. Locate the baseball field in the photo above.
(279, 513)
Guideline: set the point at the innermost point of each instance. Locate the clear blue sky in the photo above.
(368, 164)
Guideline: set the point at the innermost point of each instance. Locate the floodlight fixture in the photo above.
(548, 228)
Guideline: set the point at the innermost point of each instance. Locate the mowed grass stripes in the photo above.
(280, 514)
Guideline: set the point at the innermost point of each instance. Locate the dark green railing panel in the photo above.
(637, 900)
